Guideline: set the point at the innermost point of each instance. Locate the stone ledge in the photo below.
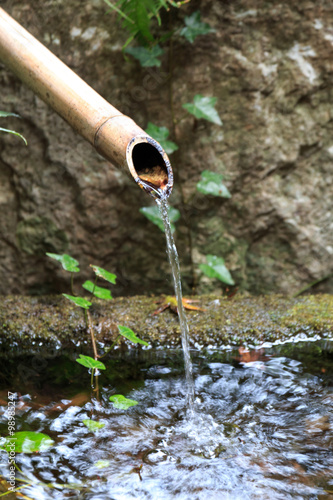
(30, 323)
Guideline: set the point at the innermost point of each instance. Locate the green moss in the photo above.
(32, 323)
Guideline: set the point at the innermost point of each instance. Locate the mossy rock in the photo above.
(52, 322)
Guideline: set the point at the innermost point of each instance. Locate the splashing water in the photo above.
(174, 263)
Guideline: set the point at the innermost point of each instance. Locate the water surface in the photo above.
(262, 428)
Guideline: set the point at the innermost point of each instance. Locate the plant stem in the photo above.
(93, 290)
(72, 284)
(17, 489)
(109, 349)
(91, 330)
(307, 287)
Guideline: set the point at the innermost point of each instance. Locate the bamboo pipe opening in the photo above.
(149, 165)
(115, 136)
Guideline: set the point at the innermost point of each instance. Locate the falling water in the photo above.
(174, 263)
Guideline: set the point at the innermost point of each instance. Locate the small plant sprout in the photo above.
(72, 265)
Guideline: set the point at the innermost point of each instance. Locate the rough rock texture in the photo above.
(270, 64)
(30, 323)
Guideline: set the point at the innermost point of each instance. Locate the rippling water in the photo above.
(262, 429)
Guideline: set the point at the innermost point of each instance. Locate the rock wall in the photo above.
(270, 65)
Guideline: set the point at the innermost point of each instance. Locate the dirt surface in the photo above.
(270, 65)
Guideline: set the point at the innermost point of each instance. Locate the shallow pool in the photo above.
(262, 426)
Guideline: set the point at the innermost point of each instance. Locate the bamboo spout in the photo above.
(115, 136)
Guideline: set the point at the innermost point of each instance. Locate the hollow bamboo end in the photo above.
(149, 166)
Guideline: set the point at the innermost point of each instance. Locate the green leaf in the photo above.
(153, 214)
(98, 291)
(78, 301)
(194, 27)
(102, 273)
(28, 442)
(146, 57)
(121, 402)
(14, 133)
(203, 107)
(93, 425)
(101, 464)
(130, 335)
(4, 114)
(89, 362)
(211, 183)
(160, 134)
(215, 268)
(68, 263)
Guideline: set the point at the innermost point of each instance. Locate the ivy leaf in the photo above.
(203, 107)
(146, 57)
(215, 268)
(153, 214)
(121, 402)
(161, 134)
(78, 301)
(14, 133)
(89, 362)
(68, 263)
(102, 273)
(28, 442)
(211, 183)
(130, 335)
(93, 425)
(194, 27)
(98, 291)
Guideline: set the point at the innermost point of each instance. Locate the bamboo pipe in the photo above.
(115, 136)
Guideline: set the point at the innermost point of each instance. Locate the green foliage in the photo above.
(28, 442)
(5, 114)
(215, 268)
(68, 263)
(78, 301)
(147, 57)
(102, 273)
(161, 134)
(137, 16)
(153, 214)
(97, 291)
(121, 402)
(130, 335)
(194, 27)
(211, 183)
(89, 362)
(203, 107)
(93, 425)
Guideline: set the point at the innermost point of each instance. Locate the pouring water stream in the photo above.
(175, 268)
